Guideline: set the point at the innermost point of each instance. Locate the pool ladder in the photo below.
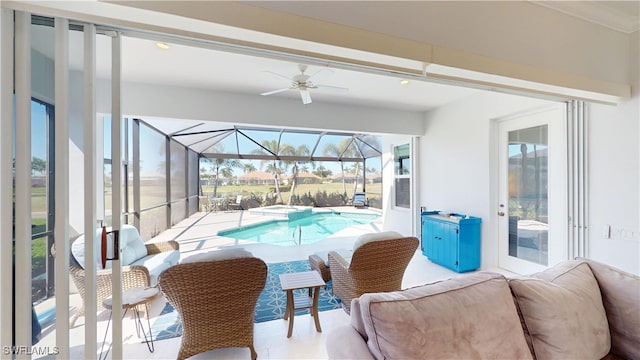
(298, 229)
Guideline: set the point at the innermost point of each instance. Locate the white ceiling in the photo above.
(623, 16)
(190, 66)
(203, 68)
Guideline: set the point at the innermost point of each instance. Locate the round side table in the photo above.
(131, 298)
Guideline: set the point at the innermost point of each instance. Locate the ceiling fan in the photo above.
(303, 82)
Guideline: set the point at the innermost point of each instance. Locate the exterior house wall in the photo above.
(455, 172)
(456, 165)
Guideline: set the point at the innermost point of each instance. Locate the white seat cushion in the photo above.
(345, 253)
(216, 255)
(366, 238)
(157, 263)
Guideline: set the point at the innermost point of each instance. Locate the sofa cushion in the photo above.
(563, 312)
(366, 238)
(131, 244)
(470, 316)
(215, 255)
(621, 298)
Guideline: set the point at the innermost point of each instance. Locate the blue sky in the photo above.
(38, 130)
(152, 156)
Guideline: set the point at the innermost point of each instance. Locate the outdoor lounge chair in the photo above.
(141, 264)
(359, 199)
(378, 264)
(216, 300)
(237, 205)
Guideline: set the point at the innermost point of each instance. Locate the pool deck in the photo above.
(198, 233)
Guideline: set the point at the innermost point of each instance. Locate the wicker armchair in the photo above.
(132, 276)
(216, 301)
(376, 266)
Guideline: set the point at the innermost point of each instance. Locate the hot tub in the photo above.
(284, 211)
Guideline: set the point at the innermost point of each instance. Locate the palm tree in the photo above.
(322, 172)
(224, 166)
(301, 150)
(336, 150)
(249, 167)
(275, 167)
(340, 150)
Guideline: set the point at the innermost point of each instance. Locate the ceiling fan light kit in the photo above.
(303, 83)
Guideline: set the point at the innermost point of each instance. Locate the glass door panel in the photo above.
(528, 195)
(532, 208)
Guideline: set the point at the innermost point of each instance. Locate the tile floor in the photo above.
(198, 234)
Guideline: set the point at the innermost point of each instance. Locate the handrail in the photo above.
(293, 235)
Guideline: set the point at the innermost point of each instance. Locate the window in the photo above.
(402, 172)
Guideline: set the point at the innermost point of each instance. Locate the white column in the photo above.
(23, 182)
(6, 173)
(90, 333)
(116, 180)
(61, 226)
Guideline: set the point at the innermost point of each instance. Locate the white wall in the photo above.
(187, 103)
(456, 164)
(614, 177)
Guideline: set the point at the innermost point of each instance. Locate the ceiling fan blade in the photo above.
(306, 96)
(274, 91)
(279, 75)
(320, 75)
(332, 88)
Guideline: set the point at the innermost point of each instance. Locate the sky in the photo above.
(152, 155)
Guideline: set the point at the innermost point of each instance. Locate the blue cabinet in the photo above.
(451, 241)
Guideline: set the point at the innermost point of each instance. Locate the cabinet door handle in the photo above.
(501, 213)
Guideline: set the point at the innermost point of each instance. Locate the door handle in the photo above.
(501, 213)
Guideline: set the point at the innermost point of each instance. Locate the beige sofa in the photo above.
(579, 309)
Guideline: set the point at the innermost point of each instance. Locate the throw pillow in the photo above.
(563, 312)
(468, 317)
(621, 299)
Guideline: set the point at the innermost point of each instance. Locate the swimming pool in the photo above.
(307, 230)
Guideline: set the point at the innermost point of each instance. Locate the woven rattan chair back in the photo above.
(376, 266)
(216, 301)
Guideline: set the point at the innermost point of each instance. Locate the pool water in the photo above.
(307, 230)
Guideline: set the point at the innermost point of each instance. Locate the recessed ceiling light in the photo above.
(163, 46)
(404, 82)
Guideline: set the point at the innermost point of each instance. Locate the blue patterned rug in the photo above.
(271, 303)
